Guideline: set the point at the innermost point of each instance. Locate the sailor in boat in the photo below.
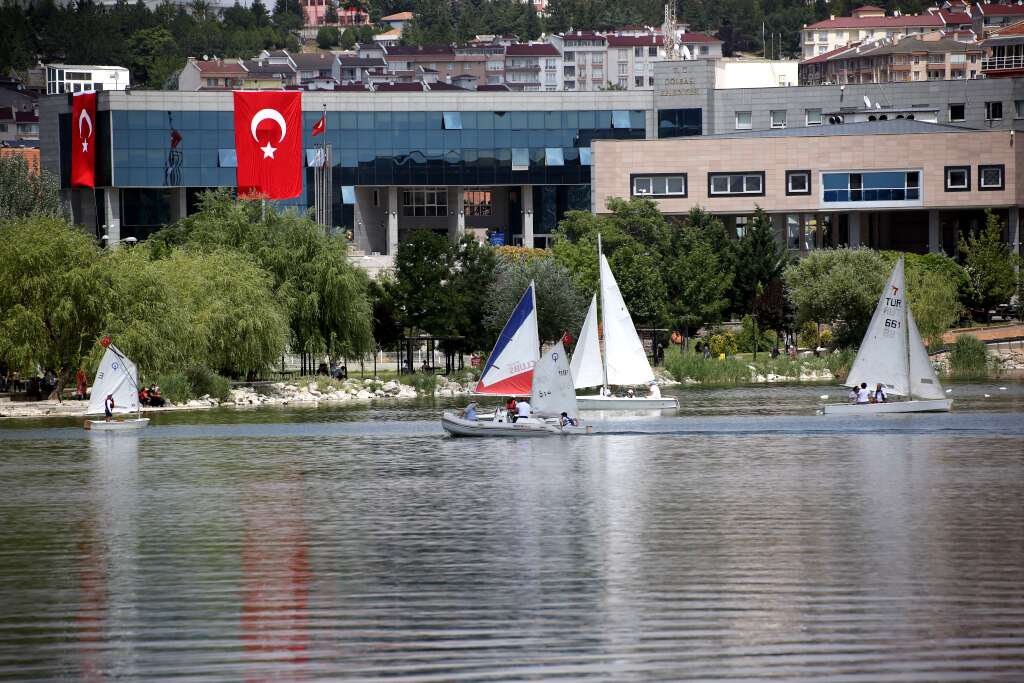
(510, 408)
(567, 421)
(863, 395)
(469, 412)
(108, 407)
(523, 409)
(630, 393)
(655, 391)
(852, 396)
(879, 395)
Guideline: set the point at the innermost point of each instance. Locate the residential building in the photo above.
(212, 74)
(910, 58)
(867, 23)
(62, 78)
(440, 61)
(315, 14)
(631, 60)
(1004, 52)
(533, 67)
(18, 125)
(583, 54)
(355, 69)
(266, 74)
(989, 17)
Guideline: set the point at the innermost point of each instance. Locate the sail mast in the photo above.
(604, 316)
(906, 332)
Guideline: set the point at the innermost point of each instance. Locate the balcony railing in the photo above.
(997, 63)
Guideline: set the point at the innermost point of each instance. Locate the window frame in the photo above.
(956, 188)
(481, 202)
(790, 192)
(771, 119)
(409, 208)
(807, 117)
(949, 112)
(1002, 177)
(989, 106)
(917, 187)
(736, 120)
(730, 174)
(633, 177)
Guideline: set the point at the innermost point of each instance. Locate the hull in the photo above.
(116, 425)
(457, 426)
(598, 402)
(938, 405)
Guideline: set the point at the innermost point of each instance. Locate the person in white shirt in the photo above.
(523, 409)
(863, 395)
(655, 391)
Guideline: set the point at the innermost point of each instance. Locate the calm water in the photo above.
(744, 539)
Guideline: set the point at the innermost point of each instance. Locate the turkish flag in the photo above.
(320, 126)
(83, 140)
(268, 143)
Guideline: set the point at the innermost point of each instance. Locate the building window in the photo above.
(553, 156)
(227, 158)
(741, 226)
(993, 111)
(958, 178)
(638, 52)
(956, 112)
(476, 203)
(659, 185)
(1018, 109)
(620, 119)
(992, 178)
(652, 52)
(638, 81)
(451, 120)
(736, 184)
(429, 201)
(376, 197)
(873, 186)
(743, 120)
(798, 182)
(813, 117)
(778, 118)
(520, 159)
(793, 231)
(623, 68)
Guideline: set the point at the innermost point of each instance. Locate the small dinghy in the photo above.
(512, 364)
(624, 362)
(117, 380)
(894, 355)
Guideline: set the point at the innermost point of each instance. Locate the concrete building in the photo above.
(1004, 52)
(867, 23)
(895, 60)
(533, 67)
(212, 74)
(829, 186)
(62, 78)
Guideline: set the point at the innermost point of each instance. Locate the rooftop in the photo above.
(890, 127)
(313, 60)
(650, 40)
(414, 50)
(1014, 30)
(924, 20)
(398, 16)
(697, 37)
(218, 66)
(532, 50)
(991, 10)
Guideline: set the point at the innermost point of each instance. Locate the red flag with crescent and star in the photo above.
(268, 143)
(83, 140)
(320, 126)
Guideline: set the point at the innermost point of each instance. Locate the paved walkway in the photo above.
(993, 333)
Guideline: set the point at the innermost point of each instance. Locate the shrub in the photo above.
(969, 358)
(689, 365)
(424, 383)
(745, 339)
(175, 387)
(724, 342)
(825, 338)
(807, 336)
(178, 387)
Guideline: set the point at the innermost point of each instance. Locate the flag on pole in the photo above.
(268, 144)
(83, 140)
(321, 125)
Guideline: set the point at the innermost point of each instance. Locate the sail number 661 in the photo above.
(889, 322)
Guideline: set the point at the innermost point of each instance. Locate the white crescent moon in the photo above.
(264, 114)
(83, 116)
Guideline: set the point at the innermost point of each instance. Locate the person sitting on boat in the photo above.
(510, 408)
(655, 390)
(523, 409)
(863, 395)
(567, 421)
(853, 395)
(630, 393)
(606, 391)
(879, 395)
(469, 412)
(108, 407)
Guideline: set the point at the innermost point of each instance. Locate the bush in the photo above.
(424, 383)
(684, 365)
(178, 387)
(969, 358)
(825, 338)
(745, 339)
(327, 37)
(175, 387)
(724, 342)
(807, 336)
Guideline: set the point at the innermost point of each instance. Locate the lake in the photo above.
(742, 539)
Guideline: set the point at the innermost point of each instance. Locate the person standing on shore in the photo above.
(81, 384)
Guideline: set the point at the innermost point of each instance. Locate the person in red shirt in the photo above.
(81, 383)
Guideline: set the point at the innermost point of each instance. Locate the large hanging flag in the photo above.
(268, 144)
(83, 140)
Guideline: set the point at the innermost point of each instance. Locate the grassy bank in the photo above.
(683, 365)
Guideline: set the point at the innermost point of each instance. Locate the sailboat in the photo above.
(894, 354)
(546, 377)
(118, 378)
(624, 362)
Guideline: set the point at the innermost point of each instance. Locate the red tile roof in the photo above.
(925, 20)
(955, 18)
(217, 66)
(398, 16)
(696, 37)
(825, 56)
(1015, 29)
(1000, 10)
(414, 50)
(532, 50)
(583, 35)
(636, 41)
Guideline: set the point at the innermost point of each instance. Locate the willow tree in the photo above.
(51, 306)
(24, 194)
(561, 304)
(325, 294)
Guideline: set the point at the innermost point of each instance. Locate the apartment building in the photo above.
(1004, 52)
(867, 23)
(892, 60)
(533, 67)
(212, 74)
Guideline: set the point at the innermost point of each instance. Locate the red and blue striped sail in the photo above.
(509, 368)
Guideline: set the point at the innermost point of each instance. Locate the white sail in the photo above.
(924, 383)
(553, 392)
(624, 356)
(118, 377)
(586, 361)
(883, 352)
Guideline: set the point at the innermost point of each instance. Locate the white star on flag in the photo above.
(85, 145)
(268, 151)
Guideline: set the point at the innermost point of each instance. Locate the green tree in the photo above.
(933, 302)
(561, 304)
(831, 285)
(637, 271)
(150, 56)
(989, 263)
(759, 259)
(423, 265)
(331, 14)
(23, 194)
(347, 39)
(50, 305)
(473, 273)
(327, 37)
(699, 273)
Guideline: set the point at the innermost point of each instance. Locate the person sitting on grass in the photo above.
(156, 400)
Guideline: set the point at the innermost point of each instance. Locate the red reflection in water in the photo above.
(90, 618)
(275, 582)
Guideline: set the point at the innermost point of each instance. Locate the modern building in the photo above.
(1004, 52)
(510, 164)
(829, 186)
(62, 78)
